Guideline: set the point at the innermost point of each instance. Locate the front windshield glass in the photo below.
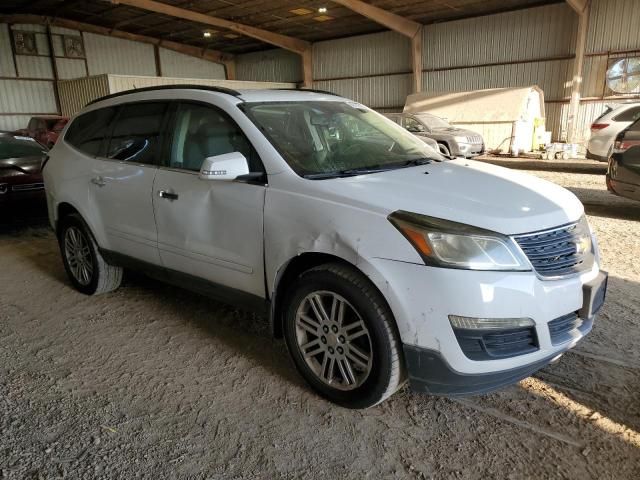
(18, 147)
(337, 138)
(433, 122)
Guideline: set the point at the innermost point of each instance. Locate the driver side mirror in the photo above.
(227, 166)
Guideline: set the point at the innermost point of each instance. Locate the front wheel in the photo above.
(88, 271)
(342, 337)
(444, 150)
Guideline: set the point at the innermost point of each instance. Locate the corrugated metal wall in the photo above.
(30, 89)
(75, 94)
(174, 64)
(614, 26)
(536, 33)
(116, 55)
(269, 66)
(366, 55)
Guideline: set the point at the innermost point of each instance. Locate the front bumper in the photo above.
(430, 373)
(422, 298)
(469, 150)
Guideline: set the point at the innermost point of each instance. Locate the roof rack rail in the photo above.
(326, 92)
(208, 88)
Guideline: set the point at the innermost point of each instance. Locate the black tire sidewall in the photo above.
(74, 221)
(374, 387)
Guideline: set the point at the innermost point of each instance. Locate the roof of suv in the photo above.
(263, 95)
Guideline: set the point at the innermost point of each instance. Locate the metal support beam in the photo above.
(210, 55)
(578, 63)
(399, 24)
(301, 47)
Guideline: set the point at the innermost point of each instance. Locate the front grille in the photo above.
(555, 253)
(490, 345)
(474, 139)
(27, 187)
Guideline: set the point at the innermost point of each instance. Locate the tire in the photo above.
(96, 276)
(369, 379)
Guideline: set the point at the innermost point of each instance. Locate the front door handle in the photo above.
(167, 195)
(99, 181)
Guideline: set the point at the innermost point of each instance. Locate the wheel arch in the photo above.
(291, 270)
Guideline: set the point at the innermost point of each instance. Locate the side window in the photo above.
(137, 134)
(630, 115)
(87, 132)
(201, 131)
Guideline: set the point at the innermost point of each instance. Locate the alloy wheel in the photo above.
(78, 254)
(333, 340)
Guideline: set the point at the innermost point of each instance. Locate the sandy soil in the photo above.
(155, 382)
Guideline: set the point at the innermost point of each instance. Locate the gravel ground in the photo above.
(155, 382)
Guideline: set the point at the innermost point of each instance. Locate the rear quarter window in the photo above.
(88, 131)
(630, 115)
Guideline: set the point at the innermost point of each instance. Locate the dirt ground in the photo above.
(155, 382)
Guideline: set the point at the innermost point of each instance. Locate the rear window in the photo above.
(137, 135)
(630, 115)
(87, 132)
(635, 127)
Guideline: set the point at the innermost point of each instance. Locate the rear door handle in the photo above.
(99, 181)
(167, 195)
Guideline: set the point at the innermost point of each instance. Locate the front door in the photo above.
(122, 182)
(207, 228)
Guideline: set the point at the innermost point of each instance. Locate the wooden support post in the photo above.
(230, 69)
(307, 68)
(576, 80)
(416, 61)
(399, 24)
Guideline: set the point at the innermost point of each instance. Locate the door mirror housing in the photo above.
(227, 166)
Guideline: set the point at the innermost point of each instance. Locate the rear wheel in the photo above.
(88, 271)
(342, 337)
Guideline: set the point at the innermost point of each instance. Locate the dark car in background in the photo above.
(21, 183)
(623, 172)
(45, 129)
(451, 140)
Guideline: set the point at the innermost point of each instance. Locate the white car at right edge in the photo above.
(607, 126)
(376, 258)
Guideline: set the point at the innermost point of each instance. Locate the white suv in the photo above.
(377, 259)
(607, 126)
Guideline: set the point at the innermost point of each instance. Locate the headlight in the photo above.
(442, 243)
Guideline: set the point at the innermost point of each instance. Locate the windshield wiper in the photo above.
(350, 172)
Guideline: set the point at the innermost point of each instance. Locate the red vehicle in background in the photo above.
(45, 129)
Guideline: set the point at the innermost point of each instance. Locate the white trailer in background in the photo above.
(511, 119)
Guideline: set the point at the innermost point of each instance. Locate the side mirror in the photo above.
(227, 166)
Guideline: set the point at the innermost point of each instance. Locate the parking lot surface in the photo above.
(155, 382)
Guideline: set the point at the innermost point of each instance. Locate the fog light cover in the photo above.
(470, 323)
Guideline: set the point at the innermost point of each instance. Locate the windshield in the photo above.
(319, 139)
(17, 147)
(432, 121)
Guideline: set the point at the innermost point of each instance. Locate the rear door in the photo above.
(122, 181)
(209, 229)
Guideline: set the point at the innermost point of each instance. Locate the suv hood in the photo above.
(465, 191)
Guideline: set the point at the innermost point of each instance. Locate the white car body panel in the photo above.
(243, 236)
(601, 141)
(213, 231)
